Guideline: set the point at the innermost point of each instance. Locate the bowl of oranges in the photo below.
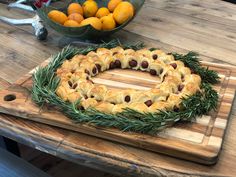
(88, 19)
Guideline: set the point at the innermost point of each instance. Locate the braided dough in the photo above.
(177, 80)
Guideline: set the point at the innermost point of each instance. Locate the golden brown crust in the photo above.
(168, 87)
(119, 108)
(166, 58)
(62, 93)
(157, 95)
(117, 50)
(141, 107)
(77, 59)
(192, 78)
(177, 81)
(106, 59)
(105, 107)
(189, 89)
(161, 105)
(89, 103)
(74, 96)
(127, 95)
(140, 97)
(113, 96)
(85, 87)
(102, 51)
(122, 58)
(129, 52)
(97, 92)
(145, 53)
(174, 99)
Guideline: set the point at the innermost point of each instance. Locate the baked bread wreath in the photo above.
(177, 80)
(185, 91)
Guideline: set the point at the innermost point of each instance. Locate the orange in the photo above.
(57, 16)
(103, 11)
(76, 17)
(108, 23)
(94, 21)
(71, 23)
(123, 12)
(90, 8)
(112, 4)
(75, 8)
(110, 14)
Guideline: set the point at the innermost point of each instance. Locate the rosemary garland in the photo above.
(45, 83)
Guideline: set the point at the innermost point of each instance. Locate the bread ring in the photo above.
(177, 81)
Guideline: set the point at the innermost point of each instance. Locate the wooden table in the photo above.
(207, 27)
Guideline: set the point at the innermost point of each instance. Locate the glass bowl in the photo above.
(85, 32)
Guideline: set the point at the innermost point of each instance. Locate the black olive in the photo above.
(180, 87)
(167, 97)
(70, 83)
(127, 98)
(80, 107)
(148, 102)
(176, 109)
(164, 77)
(144, 64)
(94, 70)
(155, 56)
(117, 64)
(153, 72)
(174, 65)
(112, 65)
(74, 86)
(87, 71)
(161, 70)
(98, 67)
(133, 63)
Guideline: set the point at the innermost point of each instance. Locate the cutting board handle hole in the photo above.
(9, 97)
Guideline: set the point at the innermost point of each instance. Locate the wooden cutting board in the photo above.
(200, 141)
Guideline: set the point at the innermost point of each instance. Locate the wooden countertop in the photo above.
(207, 28)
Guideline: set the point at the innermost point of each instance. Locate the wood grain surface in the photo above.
(210, 30)
(200, 141)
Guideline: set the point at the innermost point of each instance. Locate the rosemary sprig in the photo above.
(131, 120)
(45, 83)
